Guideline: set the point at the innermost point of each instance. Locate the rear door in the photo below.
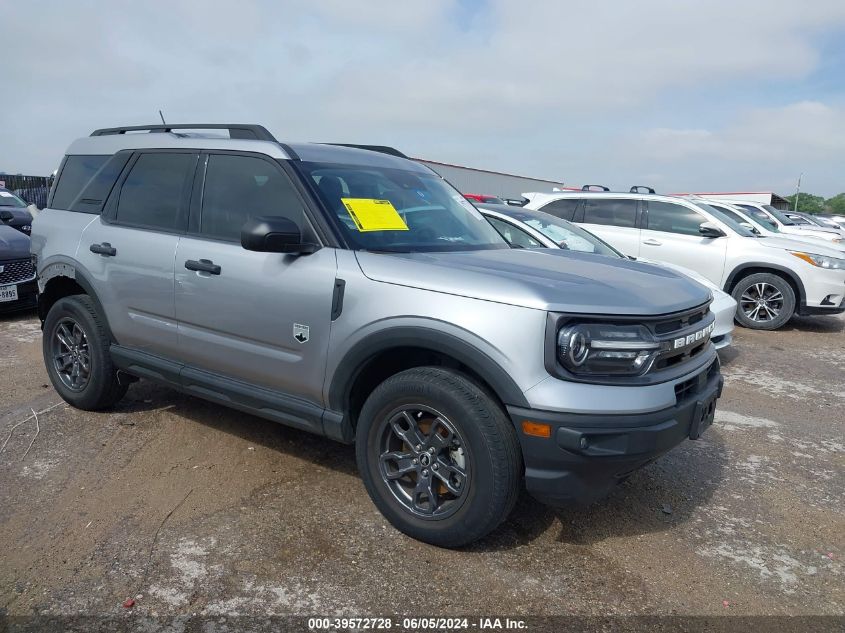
(671, 234)
(129, 250)
(260, 318)
(614, 220)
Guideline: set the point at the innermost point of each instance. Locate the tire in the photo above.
(776, 305)
(73, 335)
(468, 456)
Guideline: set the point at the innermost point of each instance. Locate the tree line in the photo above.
(808, 203)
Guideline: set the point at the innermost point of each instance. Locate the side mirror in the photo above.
(710, 230)
(6, 215)
(274, 234)
(750, 227)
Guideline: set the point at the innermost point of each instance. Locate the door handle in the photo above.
(652, 242)
(103, 249)
(203, 265)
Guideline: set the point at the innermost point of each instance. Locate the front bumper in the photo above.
(825, 292)
(27, 298)
(724, 309)
(587, 455)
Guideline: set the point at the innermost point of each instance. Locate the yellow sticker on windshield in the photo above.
(374, 215)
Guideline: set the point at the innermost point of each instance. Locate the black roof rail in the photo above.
(246, 131)
(382, 149)
(636, 189)
(590, 187)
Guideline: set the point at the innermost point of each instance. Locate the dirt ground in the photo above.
(191, 508)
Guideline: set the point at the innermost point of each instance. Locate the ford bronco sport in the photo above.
(355, 294)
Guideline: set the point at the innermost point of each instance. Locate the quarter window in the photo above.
(152, 194)
(673, 218)
(563, 208)
(622, 213)
(75, 174)
(240, 187)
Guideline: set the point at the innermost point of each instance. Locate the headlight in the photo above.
(590, 349)
(822, 261)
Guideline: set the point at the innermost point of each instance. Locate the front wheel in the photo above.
(438, 456)
(764, 301)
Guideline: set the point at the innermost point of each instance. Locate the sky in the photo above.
(682, 95)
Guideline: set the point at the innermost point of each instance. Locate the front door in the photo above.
(260, 318)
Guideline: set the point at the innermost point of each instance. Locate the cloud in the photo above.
(565, 90)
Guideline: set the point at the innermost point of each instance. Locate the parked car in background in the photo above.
(784, 224)
(478, 197)
(837, 220)
(384, 310)
(766, 228)
(18, 289)
(523, 228)
(771, 278)
(14, 212)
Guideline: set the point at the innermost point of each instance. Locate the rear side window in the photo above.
(513, 236)
(153, 194)
(622, 213)
(75, 175)
(674, 218)
(240, 187)
(564, 208)
(93, 197)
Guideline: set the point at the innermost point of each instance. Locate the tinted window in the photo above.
(75, 174)
(612, 212)
(564, 208)
(240, 187)
(93, 197)
(513, 236)
(152, 194)
(673, 218)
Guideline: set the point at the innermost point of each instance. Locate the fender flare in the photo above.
(70, 271)
(736, 273)
(355, 359)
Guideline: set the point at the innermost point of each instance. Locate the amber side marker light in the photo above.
(536, 429)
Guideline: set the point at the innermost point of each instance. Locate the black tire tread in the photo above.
(500, 436)
(105, 389)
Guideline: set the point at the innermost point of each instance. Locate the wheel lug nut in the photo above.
(434, 467)
(425, 472)
(431, 450)
(418, 447)
(415, 461)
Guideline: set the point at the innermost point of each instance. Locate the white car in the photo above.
(523, 228)
(785, 225)
(767, 228)
(771, 278)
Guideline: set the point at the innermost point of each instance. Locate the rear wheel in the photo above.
(76, 353)
(439, 457)
(764, 301)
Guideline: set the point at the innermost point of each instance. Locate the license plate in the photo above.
(8, 293)
(703, 416)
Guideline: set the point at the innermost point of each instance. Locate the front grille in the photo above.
(692, 386)
(673, 325)
(16, 271)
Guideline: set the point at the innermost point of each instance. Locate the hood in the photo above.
(799, 244)
(543, 279)
(13, 243)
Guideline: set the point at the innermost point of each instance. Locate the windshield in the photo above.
(777, 213)
(8, 199)
(566, 235)
(761, 217)
(397, 210)
(726, 219)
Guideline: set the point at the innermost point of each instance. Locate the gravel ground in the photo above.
(190, 508)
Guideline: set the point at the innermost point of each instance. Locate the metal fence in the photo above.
(33, 189)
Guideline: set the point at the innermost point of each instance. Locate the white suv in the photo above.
(771, 278)
(768, 213)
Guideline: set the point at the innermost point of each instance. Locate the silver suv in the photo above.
(356, 295)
